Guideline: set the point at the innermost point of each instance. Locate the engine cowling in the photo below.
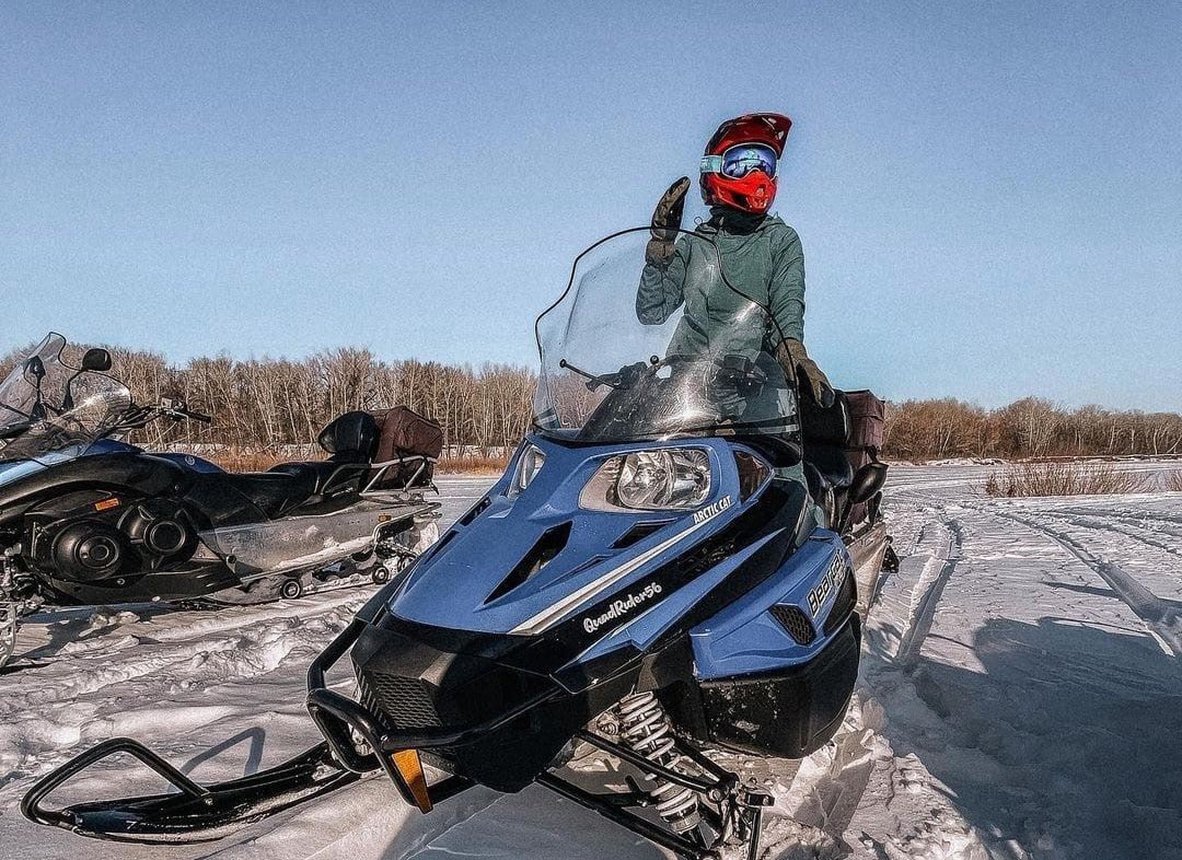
(87, 550)
(109, 539)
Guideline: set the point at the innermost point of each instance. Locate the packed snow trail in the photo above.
(1016, 701)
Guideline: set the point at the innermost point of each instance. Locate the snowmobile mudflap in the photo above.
(194, 813)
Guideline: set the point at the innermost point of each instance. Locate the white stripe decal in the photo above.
(552, 614)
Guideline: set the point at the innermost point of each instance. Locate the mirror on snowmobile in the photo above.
(97, 360)
(867, 481)
(35, 368)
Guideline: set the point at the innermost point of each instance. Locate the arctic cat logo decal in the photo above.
(830, 582)
(620, 608)
(713, 510)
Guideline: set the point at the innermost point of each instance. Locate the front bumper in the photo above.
(476, 718)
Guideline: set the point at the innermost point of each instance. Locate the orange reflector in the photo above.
(407, 763)
(106, 504)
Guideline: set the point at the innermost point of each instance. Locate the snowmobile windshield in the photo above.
(52, 411)
(645, 347)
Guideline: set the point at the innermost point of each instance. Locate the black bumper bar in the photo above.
(341, 719)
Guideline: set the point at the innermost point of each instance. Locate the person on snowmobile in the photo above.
(761, 255)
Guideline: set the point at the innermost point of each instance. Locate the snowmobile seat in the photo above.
(351, 438)
(274, 493)
(827, 466)
(826, 434)
(325, 477)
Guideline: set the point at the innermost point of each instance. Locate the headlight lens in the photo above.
(531, 462)
(664, 479)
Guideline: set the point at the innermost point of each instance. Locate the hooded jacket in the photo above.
(761, 261)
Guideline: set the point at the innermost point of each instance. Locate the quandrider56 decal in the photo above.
(834, 576)
(622, 606)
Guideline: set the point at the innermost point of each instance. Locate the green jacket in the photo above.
(762, 261)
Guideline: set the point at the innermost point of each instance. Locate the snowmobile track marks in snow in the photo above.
(1161, 620)
(928, 590)
(1099, 524)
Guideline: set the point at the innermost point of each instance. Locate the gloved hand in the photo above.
(666, 222)
(794, 358)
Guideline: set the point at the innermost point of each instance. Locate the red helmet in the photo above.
(739, 165)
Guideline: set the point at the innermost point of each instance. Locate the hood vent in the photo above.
(639, 532)
(549, 545)
(477, 509)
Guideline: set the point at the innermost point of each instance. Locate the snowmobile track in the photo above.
(1097, 523)
(1126, 514)
(1163, 622)
(929, 589)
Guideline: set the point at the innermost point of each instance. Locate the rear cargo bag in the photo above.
(867, 432)
(409, 444)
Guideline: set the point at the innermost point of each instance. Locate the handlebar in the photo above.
(140, 416)
(180, 413)
(626, 377)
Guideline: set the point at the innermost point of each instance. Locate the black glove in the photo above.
(795, 361)
(666, 222)
(630, 375)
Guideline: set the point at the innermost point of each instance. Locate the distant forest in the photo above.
(266, 406)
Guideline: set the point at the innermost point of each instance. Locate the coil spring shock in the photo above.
(645, 728)
(10, 606)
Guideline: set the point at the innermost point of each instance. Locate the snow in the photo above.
(1020, 697)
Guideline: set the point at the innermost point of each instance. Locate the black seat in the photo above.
(827, 465)
(327, 477)
(351, 438)
(350, 441)
(274, 493)
(826, 433)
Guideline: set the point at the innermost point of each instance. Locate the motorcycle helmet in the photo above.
(739, 166)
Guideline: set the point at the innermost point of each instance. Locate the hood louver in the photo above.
(639, 532)
(549, 545)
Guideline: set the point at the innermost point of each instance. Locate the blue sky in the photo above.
(989, 194)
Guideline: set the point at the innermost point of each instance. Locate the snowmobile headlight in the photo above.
(531, 462)
(664, 479)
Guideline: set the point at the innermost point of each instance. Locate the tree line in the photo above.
(1028, 428)
(266, 405)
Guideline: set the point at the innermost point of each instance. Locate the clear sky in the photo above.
(989, 194)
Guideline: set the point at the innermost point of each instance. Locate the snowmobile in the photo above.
(86, 518)
(667, 572)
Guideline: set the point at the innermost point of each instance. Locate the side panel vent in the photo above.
(548, 546)
(793, 619)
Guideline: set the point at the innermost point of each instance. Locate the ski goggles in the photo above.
(740, 160)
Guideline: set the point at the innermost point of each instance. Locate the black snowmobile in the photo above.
(86, 518)
(670, 567)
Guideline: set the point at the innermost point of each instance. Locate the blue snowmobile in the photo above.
(670, 566)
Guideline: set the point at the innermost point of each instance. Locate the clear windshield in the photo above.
(637, 350)
(50, 410)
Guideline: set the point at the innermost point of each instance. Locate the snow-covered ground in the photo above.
(1021, 697)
